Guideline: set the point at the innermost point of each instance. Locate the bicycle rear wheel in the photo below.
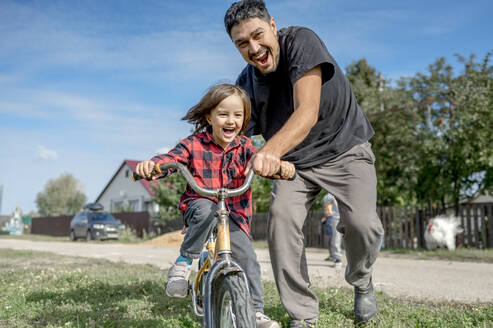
(232, 303)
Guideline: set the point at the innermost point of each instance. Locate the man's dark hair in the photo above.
(241, 10)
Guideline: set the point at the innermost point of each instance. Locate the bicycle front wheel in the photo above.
(232, 304)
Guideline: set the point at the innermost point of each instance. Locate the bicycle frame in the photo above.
(219, 260)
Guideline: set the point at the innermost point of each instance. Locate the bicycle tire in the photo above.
(201, 290)
(232, 303)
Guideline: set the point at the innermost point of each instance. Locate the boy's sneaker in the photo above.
(263, 321)
(338, 263)
(177, 285)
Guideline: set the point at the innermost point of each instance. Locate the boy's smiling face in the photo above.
(226, 120)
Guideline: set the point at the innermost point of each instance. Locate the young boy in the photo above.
(217, 156)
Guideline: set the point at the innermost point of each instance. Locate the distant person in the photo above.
(217, 154)
(303, 106)
(330, 220)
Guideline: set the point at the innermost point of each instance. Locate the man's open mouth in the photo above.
(261, 57)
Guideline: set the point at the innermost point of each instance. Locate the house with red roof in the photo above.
(122, 192)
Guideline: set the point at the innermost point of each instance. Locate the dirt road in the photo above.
(400, 277)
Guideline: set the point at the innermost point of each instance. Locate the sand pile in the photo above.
(170, 239)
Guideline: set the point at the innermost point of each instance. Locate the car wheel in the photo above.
(88, 235)
(72, 235)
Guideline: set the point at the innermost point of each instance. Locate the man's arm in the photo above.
(306, 100)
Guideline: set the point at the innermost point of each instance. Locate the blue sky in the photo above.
(87, 84)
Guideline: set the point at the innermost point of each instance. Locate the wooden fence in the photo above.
(404, 226)
(477, 222)
(60, 225)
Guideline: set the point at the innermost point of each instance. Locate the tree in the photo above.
(394, 143)
(432, 131)
(167, 195)
(61, 196)
(457, 118)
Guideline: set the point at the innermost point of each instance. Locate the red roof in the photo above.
(145, 183)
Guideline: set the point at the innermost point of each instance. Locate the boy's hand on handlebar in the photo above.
(146, 170)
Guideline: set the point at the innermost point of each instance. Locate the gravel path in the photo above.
(399, 277)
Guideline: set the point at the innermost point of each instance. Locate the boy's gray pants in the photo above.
(335, 240)
(351, 178)
(200, 219)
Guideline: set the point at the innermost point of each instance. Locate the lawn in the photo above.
(459, 254)
(45, 290)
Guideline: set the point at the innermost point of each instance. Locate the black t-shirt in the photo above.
(341, 122)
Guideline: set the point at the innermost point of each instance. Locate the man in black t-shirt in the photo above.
(303, 105)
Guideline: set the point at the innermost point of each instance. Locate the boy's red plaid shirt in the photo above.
(214, 167)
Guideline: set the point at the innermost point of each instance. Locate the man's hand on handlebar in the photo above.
(264, 164)
(150, 171)
(146, 170)
(285, 170)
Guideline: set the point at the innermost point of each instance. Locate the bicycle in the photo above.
(220, 292)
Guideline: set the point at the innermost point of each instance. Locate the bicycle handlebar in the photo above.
(158, 169)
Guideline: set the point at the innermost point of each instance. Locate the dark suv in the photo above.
(94, 223)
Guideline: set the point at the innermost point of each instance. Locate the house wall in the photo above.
(124, 191)
(481, 199)
(4, 219)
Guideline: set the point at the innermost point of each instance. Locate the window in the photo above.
(117, 206)
(102, 217)
(134, 205)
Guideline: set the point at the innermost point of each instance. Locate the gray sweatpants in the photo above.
(351, 178)
(200, 219)
(335, 240)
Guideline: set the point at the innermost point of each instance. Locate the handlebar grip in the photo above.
(278, 176)
(155, 171)
(293, 177)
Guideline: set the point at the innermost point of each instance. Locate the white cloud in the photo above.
(40, 42)
(163, 150)
(47, 154)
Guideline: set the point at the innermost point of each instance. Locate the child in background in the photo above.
(330, 221)
(217, 156)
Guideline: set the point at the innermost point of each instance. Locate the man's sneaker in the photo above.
(177, 285)
(330, 258)
(263, 321)
(302, 323)
(338, 263)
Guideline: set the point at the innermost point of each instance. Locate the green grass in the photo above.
(460, 254)
(260, 244)
(40, 289)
